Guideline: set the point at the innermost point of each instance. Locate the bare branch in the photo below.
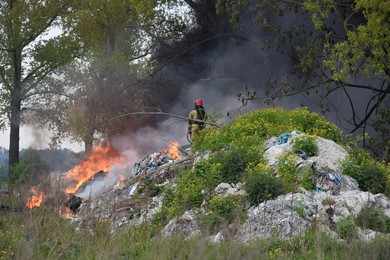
(141, 55)
(373, 108)
(175, 57)
(352, 106)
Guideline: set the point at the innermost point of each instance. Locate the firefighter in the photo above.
(198, 113)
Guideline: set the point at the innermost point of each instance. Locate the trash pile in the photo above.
(277, 217)
(119, 205)
(325, 166)
(335, 195)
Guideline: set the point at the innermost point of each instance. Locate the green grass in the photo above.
(42, 234)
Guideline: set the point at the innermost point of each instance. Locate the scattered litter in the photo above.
(327, 180)
(283, 138)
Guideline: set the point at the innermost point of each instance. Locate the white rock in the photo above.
(329, 154)
(225, 189)
(185, 225)
(216, 238)
(367, 235)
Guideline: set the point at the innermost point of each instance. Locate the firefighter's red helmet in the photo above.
(198, 102)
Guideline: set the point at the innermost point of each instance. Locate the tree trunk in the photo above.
(16, 102)
(88, 142)
(88, 147)
(110, 42)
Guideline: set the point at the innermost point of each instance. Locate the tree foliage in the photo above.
(28, 58)
(121, 37)
(343, 50)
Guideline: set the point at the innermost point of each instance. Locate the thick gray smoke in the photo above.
(216, 72)
(219, 70)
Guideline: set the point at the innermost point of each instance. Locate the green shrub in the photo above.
(305, 178)
(305, 143)
(346, 228)
(370, 174)
(261, 184)
(234, 163)
(299, 207)
(11, 232)
(314, 124)
(374, 219)
(19, 173)
(149, 188)
(210, 222)
(287, 170)
(328, 202)
(227, 210)
(228, 207)
(253, 128)
(192, 188)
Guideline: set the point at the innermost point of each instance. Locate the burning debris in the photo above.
(118, 204)
(106, 169)
(103, 158)
(36, 199)
(74, 203)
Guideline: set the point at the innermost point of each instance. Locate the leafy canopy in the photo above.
(365, 50)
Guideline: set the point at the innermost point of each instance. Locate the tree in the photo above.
(110, 78)
(361, 60)
(344, 51)
(28, 58)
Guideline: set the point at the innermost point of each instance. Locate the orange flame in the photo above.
(35, 201)
(66, 212)
(121, 181)
(103, 158)
(174, 150)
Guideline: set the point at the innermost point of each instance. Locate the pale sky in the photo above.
(34, 138)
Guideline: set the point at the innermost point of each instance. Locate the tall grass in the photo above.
(41, 234)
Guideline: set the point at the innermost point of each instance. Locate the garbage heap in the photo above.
(335, 196)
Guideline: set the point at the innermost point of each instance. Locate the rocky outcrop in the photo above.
(272, 218)
(185, 225)
(291, 214)
(329, 153)
(225, 189)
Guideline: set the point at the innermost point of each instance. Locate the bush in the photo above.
(253, 128)
(299, 207)
(261, 184)
(305, 178)
(192, 188)
(305, 143)
(234, 163)
(149, 188)
(287, 170)
(374, 219)
(346, 228)
(370, 174)
(227, 210)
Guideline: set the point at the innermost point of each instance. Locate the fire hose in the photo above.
(189, 137)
